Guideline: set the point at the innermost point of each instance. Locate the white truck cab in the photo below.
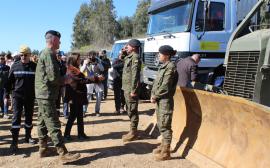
(192, 26)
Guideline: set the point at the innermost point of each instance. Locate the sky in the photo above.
(26, 21)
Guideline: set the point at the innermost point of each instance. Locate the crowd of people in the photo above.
(54, 76)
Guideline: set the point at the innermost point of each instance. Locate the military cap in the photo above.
(134, 43)
(24, 49)
(53, 32)
(167, 50)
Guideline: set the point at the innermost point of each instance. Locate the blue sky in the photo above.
(26, 21)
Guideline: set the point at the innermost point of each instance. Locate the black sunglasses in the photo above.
(25, 55)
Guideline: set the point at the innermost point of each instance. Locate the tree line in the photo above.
(96, 24)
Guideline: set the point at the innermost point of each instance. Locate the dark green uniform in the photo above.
(130, 84)
(163, 91)
(47, 82)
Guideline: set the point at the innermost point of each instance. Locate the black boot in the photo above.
(28, 137)
(14, 143)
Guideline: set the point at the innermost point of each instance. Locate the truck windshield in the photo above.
(116, 49)
(175, 19)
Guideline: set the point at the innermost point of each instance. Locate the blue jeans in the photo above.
(65, 109)
(98, 102)
(4, 107)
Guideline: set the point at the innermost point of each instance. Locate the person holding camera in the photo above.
(93, 67)
(130, 84)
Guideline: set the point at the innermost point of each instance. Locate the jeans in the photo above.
(4, 107)
(65, 109)
(98, 102)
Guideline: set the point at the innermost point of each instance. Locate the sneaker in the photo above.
(30, 141)
(6, 116)
(97, 114)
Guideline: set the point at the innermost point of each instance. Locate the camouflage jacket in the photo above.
(165, 83)
(47, 80)
(131, 73)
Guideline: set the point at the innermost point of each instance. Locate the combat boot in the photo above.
(130, 136)
(44, 150)
(65, 156)
(14, 143)
(158, 149)
(165, 153)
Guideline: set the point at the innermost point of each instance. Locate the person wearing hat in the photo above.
(47, 85)
(20, 82)
(130, 85)
(162, 95)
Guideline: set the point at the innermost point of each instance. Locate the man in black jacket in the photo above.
(21, 80)
(107, 65)
(119, 98)
(4, 70)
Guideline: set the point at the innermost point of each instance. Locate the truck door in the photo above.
(209, 36)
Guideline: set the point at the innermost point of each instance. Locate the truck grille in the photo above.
(241, 74)
(150, 60)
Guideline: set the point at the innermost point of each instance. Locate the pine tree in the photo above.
(141, 18)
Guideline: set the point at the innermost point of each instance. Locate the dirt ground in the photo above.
(104, 149)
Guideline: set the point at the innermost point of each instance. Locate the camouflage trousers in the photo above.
(48, 121)
(132, 110)
(164, 110)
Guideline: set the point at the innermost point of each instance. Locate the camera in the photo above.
(124, 52)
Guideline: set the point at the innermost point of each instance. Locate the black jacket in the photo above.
(4, 70)
(21, 80)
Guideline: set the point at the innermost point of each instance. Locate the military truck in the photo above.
(247, 59)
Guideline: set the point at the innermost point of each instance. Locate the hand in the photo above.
(101, 77)
(153, 100)
(86, 61)
(6, 100)
(133, 94)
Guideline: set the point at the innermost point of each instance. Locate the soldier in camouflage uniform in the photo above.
(162, 94)
(130, 85)
(47, 84)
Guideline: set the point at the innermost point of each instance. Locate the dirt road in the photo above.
(104, 149)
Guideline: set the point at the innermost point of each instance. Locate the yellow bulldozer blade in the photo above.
(214, 130)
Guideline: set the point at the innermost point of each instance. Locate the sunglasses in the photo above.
(25, 55)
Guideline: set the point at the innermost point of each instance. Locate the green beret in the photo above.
(53, 32)
(134, 43)
(167, 50)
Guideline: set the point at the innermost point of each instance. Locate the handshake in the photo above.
(98, 78)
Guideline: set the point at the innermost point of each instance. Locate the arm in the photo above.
(83, 67)
(167, 82)
(52, 69)
(193, 73)
(136, 68)
(9, 83)
(100, 66)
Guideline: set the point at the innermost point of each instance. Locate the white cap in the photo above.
(15, 53)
